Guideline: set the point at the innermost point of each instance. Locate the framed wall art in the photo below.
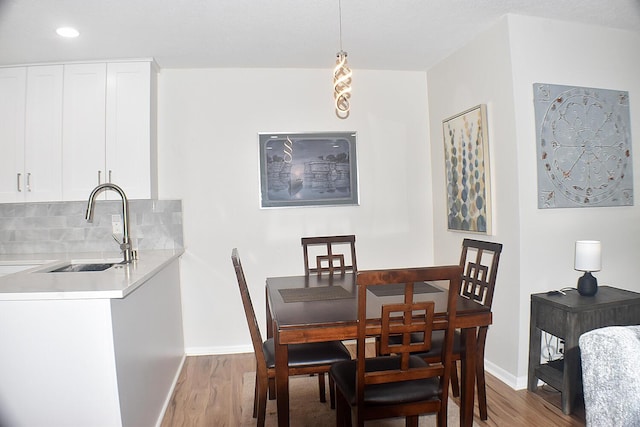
(583, 142)
(466, 155)
(308, 169)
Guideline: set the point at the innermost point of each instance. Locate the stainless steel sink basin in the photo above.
(75, 268)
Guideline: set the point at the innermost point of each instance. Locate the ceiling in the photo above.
(377, 34)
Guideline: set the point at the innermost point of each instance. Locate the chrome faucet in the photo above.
(125, 246)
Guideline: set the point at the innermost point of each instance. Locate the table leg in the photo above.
(468, 377)
(535, 335)
(282, 381)
(572, 374)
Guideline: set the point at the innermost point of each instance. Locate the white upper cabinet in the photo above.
(130, 131)
(31, 133)
(83, 129)
(43, 133)
(66, 128)
(109, 129)
(13, 87)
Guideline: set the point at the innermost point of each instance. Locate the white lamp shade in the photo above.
(588, 255)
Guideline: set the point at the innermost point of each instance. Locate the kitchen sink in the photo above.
(76, 268)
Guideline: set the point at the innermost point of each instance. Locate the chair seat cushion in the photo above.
(344, 375)
(312, 354)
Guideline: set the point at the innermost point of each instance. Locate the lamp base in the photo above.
(587, 285)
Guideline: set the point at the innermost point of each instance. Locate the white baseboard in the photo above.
(516, 383)
(167, 400)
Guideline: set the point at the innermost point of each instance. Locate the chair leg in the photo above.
(256, 397)
(482, 390)
(343, 412)
(480, 379)
(455, 383)
(272, 388)
(261, 397)
(441, 417)
(332, 392)
(411, 421)
(321, 386)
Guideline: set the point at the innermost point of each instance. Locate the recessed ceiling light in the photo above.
(67, 32)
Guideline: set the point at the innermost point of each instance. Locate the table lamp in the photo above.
(588, 259)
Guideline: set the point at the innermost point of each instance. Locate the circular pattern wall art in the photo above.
(583, 147)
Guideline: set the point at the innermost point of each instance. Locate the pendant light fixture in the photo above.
(341, 78)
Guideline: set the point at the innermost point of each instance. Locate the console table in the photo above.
(567, 317)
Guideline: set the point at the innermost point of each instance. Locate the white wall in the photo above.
(480, 73)
(208, 121)
(208, 157)
(499, 68)
(545, 51)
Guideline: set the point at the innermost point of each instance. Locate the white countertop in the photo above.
(37, 283)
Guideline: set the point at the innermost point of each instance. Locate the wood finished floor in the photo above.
(208, 394)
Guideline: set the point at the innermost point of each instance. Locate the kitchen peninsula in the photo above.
(98, 348)
(90, 348)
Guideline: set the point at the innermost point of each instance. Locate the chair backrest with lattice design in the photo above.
(479, 259)
(329, 254)
(406, 320)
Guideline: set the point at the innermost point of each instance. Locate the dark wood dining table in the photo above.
(317, 308)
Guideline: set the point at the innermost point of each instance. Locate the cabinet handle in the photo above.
(99, 177)
(19, 179)
(29, 182)
(110, 175)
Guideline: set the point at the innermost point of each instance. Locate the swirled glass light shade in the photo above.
(342, 85)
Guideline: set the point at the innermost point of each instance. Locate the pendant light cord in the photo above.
(340, 21)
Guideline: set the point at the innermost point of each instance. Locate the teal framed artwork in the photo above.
(466, 155)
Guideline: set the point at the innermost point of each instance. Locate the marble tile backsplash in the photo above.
(57, 227)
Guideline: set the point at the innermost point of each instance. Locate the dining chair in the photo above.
(397, 383)
(479, 259)
(304, 359)
(328, 251)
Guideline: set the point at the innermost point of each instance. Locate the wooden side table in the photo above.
(567, 317)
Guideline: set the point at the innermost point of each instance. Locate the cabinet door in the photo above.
(13, 83)
(43, 134)
(83, 127)
(128, 128)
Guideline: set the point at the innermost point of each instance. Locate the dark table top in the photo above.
(573, 301)
(340, 307)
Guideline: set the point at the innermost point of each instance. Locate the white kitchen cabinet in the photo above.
(83, 149)
(13, 87)
(91, 360)
(109, 129)
(130, 133)
(67, 128)
(31, 133)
